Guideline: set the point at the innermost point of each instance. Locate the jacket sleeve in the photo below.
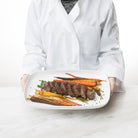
(34, 59)
(111, 57)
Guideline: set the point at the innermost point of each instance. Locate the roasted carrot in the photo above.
(101, 90)
(68, 101)
(90, 88)
(65, 78)
(86, 80)
(86, 83)
(62, 99)
(101, 97)
(63, 103)
(35, 99)
(43, 98)
(81, 82)
(77, 79)
(52, 99)
(98, 89)
(45, 93)
(73, 75)
(38, 90)
(94, 81)
(57, 97)
(83, 77)
(71, 102)
(58, 80)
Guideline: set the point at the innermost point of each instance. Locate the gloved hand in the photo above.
(23, 81)
(112, 81)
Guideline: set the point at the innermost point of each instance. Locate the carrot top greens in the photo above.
(41, 84)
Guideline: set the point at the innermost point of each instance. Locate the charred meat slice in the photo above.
(76, 89)
(90, 94)
(63, 88)
(67, 88)
(83, 91)
(47, 86)
(57, 87)
(53, 88)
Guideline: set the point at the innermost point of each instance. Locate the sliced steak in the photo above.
(90, 94)
(47, 87)
(76, 90)
(59, 88)
(83, 91)
(63, 88)
(67, 88)
(53, 89)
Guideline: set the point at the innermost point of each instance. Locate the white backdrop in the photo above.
(13, 15)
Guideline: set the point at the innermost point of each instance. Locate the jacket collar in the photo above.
(67, 20)
(74, 13)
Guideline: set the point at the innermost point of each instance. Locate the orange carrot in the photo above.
(81, 82)
(86, 83)
(60, 99)
(38, 90)
(83, 77)
(48, 94)
(58, 80)
(71, 102)
(63, 103)
(53, 100)
(73, 75)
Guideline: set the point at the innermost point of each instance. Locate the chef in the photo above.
(73, 35)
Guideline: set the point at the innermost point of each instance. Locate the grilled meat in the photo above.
(72, 89)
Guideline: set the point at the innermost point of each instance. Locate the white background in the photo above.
(13, 15)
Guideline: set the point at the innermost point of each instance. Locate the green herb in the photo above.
(41, 84)
(82, 99)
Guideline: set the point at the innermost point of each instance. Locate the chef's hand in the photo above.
(23, 81)
(112, 81)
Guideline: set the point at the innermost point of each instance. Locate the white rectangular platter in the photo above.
(48, 75)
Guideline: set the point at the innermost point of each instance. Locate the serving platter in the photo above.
(48, 75)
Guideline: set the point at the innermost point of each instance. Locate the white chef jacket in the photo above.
(85, 39)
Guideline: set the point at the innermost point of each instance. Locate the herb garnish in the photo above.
(41, 84)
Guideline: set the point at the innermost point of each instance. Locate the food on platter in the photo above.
(63, 91)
